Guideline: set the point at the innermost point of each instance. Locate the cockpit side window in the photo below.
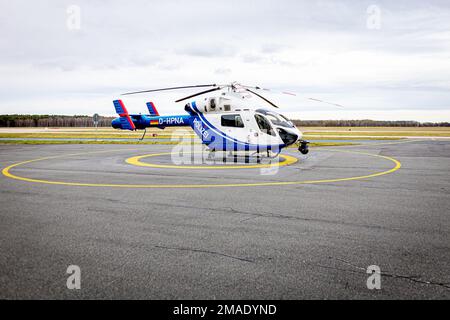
(264, 124)
(232, 120)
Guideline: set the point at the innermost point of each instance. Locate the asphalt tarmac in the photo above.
(155, 228)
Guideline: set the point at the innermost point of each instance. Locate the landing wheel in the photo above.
(303, 148)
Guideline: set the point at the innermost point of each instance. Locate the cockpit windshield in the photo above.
(276, 118)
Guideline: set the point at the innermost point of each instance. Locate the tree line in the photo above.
(367, 123)
(18, 120)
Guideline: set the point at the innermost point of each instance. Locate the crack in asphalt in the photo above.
(204, 251)
(281, 216)
(413, 278)
(254, 215)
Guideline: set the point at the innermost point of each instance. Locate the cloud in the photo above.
(222, 71)
(322, 49)
(207, 49)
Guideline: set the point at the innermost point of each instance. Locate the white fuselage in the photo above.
(231, 115)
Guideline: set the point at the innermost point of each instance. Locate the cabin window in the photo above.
(212, 104)
(232, 120)
(264, 124)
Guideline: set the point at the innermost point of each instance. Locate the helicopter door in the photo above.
(252, 133)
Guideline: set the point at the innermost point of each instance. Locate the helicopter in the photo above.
(225, 121)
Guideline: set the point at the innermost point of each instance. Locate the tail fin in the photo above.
(152, 109)
(125, 119)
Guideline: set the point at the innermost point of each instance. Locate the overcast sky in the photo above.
(380, 59)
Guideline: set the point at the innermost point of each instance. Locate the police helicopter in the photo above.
(224, 121)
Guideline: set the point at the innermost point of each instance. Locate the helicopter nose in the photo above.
(288, 137)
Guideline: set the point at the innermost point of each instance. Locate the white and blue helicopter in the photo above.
(226, 121)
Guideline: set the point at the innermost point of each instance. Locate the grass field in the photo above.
(344, 131)
(153, 136)
(351, 135)
(38, 142)
(378, 131)
(84, 142)
(66, 135)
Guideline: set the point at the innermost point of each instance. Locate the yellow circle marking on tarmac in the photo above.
(287, 160)
(7, 173)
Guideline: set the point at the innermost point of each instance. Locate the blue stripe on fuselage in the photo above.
(240, 145)
(167, 121)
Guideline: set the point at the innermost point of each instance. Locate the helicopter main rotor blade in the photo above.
(199, 93)
(266, 89)
(294, 94)
(171, 88)
(260, 96)
(333, 104)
